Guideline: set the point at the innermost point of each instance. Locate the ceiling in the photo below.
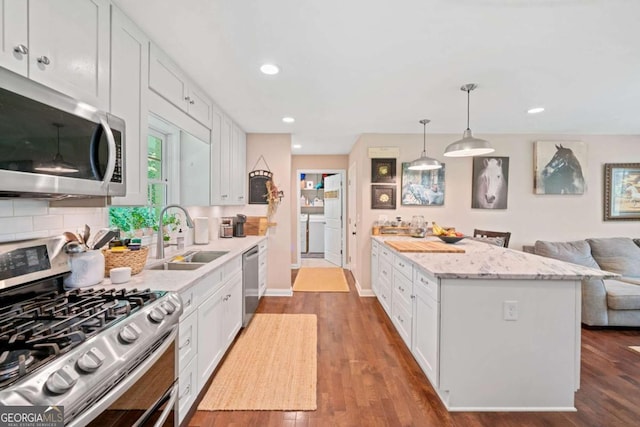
(379, 66)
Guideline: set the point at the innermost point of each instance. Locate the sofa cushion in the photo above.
(637, 242)
(622, 296)
(617, 254)
(578, 252)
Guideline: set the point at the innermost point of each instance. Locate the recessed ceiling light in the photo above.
(535, 110)
(288, 119)
(269, 69)
(297, 146)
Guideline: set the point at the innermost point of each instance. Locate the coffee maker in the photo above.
(238, 225)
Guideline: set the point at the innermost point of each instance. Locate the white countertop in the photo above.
(181, 280)
(486, 261)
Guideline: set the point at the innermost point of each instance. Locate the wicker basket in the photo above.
(128, 258)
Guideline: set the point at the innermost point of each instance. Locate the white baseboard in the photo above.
(364, 292)
(278, 293)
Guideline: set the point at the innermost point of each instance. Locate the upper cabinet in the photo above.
(194, 170)
(129, 101)
(170, 82)
(228, 160)
(62, 45)
(14, 37)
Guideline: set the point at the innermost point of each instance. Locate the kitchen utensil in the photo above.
(70, 236)
(74, 247)
(86, 234)
(104, 239)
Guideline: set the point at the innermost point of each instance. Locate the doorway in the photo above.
(320, 218)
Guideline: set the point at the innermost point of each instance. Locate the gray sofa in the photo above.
(613, 302)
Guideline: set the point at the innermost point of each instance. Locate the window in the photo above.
(157, 189)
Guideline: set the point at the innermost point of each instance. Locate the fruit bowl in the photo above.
(451, 239)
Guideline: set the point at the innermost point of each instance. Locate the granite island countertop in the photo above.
(486, 261)
(181, 280)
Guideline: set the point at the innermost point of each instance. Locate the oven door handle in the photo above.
(170, 396)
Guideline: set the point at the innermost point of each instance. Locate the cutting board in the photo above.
(423, 246)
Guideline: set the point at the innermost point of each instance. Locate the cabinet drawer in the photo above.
(186, 389)
(207, 285)
(384, 295)
(384, 270)
(232, 266)
(262, 246)
(429, 284)
(187, 345)
(402, 320)
(403, 266)
(402, 289)
(187, 302)
(385, 253)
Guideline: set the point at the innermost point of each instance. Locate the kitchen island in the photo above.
(493, 329)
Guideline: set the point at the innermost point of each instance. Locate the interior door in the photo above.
(333, 219)
(352, 219)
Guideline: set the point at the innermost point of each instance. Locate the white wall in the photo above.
(529, 217)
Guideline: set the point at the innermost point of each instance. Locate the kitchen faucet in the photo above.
(160, 247)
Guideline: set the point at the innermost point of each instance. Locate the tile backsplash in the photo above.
(31, 219)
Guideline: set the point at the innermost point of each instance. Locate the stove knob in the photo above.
(169, 307)
(91, 360)
(130, 333)
(156, 315)
(62, 380)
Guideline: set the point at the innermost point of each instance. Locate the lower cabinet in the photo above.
(426, 324)
(211, 319)
(374, 267)
(262, 270)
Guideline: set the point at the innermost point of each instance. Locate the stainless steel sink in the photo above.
(177, 266)
(200, 256)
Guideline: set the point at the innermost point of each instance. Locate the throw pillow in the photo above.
(617, 254)
(577, 252)
(637, 242)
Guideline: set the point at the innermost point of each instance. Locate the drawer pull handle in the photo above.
(22, 49)
(413, 297)
(44, 60)
(187, 391)
(187, 343)
(188, 303)
(401, 264)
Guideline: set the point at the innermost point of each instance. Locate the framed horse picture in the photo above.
(621, 191)
(490, 183)
(559, 167)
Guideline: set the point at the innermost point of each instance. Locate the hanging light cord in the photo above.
(468, 103)
(424, 138)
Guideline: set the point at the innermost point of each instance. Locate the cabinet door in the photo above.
(426, 331)
(69, 48)
(262, 271)
(225, 160)
(238, 175)
(217, 120)
(374, 267)
(233, 308)
(194, 170)
(210, 339)
(200, 106)
(129, 81)
(166, 79)
(187, 340)
(13, 36)
(187, 393)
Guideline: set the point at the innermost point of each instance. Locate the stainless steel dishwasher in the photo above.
(250, 284)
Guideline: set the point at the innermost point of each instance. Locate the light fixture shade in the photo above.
(424, 163)
(468, 146)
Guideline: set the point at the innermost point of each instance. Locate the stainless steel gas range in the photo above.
(105, 357)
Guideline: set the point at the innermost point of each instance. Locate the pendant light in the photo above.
(424, 163)
(57, 165)
(468, 145)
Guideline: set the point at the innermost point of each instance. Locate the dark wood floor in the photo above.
(367, 376)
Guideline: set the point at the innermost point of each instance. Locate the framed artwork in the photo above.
(490, 183)
(383, 197)
(422, 188)
(622, 191)
(559, 167)
(383, 170)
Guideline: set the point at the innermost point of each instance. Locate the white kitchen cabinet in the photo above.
(374, 267)
(210, 339)
(187, 339)
(195, 159)
(402, 298)
(69, 48)
(187, 389)
(229, 162)
(426, 318)
(385, 288)
(170, 82)
(232, 317)
(14, 37)
(262, 269)
(129, 101)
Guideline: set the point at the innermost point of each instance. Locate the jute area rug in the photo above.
(311, 279)
(273, 366)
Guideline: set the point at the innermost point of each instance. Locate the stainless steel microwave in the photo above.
(54, 147)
